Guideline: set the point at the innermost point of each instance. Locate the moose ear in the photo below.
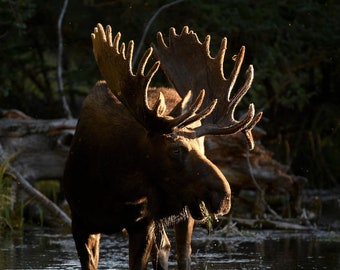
(185, 104)
(182, 106)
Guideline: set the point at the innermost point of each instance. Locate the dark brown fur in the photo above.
(120, 176)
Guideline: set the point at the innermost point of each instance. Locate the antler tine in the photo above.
(235, 100)
(159, 107)
(188, 65)
(200, 115)
(236, 70)
(228, 130)
(190, 115)
(247, 131)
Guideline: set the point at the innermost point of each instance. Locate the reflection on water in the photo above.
(49, 249)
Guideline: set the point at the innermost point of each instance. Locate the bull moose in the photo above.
(133, 164)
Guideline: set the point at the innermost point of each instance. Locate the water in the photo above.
(52, 249)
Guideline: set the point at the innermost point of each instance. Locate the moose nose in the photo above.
(218, 190)
(222, 196)
(225, 206)
(220, 201)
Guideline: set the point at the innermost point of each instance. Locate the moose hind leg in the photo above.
(161, 249)
(88, 249)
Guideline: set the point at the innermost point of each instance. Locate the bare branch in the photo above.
(146, 29)
(60, 59)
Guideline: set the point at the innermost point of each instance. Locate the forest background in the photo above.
(293, 45)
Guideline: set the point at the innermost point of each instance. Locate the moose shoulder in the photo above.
(132, 164)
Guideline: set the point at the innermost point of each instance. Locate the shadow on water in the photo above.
(50, 249)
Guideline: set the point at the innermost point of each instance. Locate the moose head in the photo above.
(133, 162)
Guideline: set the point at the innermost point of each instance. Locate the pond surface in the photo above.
(51, 249)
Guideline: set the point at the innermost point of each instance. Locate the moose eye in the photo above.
(176, 151)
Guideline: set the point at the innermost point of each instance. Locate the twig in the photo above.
(146, 29)
(258, 187)
(60, 59)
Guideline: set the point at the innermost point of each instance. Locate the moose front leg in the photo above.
(141, 242)
(88, 249)
(183, 233)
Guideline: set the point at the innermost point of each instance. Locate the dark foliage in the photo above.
(292, 44)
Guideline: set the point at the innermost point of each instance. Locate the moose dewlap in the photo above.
(132, 165)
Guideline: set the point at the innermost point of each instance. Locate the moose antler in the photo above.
(189, 66)
(115, 65)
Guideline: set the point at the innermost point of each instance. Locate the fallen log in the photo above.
(270, 224)
(38, 148)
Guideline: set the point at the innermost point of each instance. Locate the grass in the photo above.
(5, 198)
(50, 188)
(11, 212)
